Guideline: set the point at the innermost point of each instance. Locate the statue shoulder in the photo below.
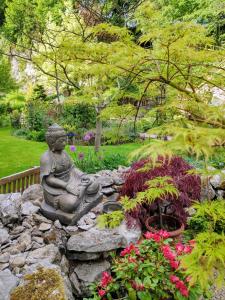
(45, 158)
(46, 164)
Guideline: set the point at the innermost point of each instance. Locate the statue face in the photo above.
(60, 143)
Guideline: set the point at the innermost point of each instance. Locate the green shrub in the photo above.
(93, 162)
(209, 216)
(78, 115)
(38, 136)
(15, 119)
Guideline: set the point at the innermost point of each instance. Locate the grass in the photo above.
(17, 154)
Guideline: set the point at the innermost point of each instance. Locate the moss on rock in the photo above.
(44, 284)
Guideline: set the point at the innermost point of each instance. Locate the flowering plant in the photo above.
(149, 270)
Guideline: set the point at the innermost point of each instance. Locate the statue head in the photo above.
(56, 137)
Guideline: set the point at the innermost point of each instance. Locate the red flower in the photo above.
(174, 278)
(184, 292)
(164, 234)
(187, 249)
(106, 279)
(179, 248)
(154, 236)
(101, 293)
(167, 252)
(174, 264)
(129, 249)
(188, 279)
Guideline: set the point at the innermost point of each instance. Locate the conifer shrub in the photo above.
(44, 284)
(187, 183)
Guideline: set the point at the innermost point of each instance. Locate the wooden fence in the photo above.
(20, 181)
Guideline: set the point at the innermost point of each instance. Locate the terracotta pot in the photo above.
(150, 221)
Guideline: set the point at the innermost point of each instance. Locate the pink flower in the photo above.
(106, 279)
(187, 249)
(174, 278)
(101, 293)
(167, 252)
(174, 264)
(129, 249)
(164, 234)
(154, 236)
(179, 248)
(188, 279)
(184, 292)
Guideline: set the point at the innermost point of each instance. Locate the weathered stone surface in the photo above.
(17, 260)
(71, 230)
(10, 207)
(95, 240)
(7, 282)
(131, 234)
(114, 197)
(108, 191)
(49, 253)
(44, 227)
(220, 194)
(68, 288)
(17, 230)
(57, 224)
(27, 208)
(41, 219)
(87, 221)
(3, 266)
(90, 272)
(83, 256)
(4, 236)
(75, 284)
(25, 240)
(34, 194)
(4, 258)
(105, 181)
(207, 191)
(64, 265)
(218, 180)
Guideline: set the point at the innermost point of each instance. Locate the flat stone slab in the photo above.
(90, 272)
(95, 240)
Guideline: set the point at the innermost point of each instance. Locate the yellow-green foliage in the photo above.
(158, 188)
(110, 220)
(44, 284)
(206, 263)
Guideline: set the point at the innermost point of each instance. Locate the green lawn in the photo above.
(17, 154)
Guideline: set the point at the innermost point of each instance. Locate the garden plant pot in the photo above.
(152, 224)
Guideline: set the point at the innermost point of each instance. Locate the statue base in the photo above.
(89, 202)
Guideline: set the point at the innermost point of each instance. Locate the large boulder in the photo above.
(10, 207)
(34, 194)
(95, 240)
(7, 282)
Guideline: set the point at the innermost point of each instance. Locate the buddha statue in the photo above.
(68, 192)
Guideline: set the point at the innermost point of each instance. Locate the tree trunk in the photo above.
(98, 134)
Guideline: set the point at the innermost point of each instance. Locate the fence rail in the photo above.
(20, 181)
